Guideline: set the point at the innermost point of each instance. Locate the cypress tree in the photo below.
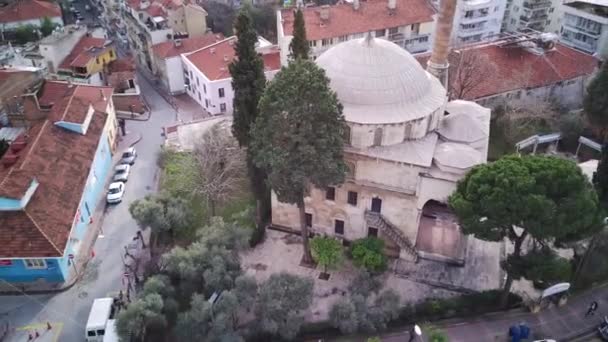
(299, 47)
(595, 102)
(600, 177)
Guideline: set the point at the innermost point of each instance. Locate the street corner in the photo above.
(38, 332)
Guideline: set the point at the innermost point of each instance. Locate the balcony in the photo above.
(536, 4)
(573, 26)
(533, 18)
(471, 30)
(476, 17)
(577, 44)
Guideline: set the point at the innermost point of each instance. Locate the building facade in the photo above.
(43, 221)
(404, 155)
(537, 15)
(168, 62)
(207, 78)
(408, 23)
(476, 21)
(585, 27)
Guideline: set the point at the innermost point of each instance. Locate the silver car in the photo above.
(121, 173)
(129, 156)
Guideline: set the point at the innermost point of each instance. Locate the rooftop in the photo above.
(214, 59)
(597, 7)
(372, 15)
(62, 33)
(86, 49)
(518, 68)
(60, 161)
(23, 10)
(170, 49)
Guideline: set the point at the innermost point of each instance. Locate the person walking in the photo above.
(414, 332)
(592, 307)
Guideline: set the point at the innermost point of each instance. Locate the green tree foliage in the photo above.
(209, 322)
(163, 213)
(140, 317)
(246, 290)
(595, 102)
(298, 47)
(368, 253)
(435, 334)
(343, 316)
(357, 313)
(541, 266)
(220, 16)
(25, 34)
(298, 136)
(4, 145)
(365, 284)
(46, 26)
(281, 303)
(549, 198)
(600, 176)
(264, 18)
(326, 251)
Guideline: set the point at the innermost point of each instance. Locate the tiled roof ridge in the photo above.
(210, 46)
(65, 111)
(42, 232)
(25, 159)
(553, 66)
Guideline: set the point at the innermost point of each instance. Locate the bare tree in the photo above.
(221, 165)
(470, 70)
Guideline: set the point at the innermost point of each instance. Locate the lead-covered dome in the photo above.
(379, 82)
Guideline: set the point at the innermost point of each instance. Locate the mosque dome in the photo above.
(379, 82)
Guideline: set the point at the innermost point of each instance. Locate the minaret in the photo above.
(438, 64)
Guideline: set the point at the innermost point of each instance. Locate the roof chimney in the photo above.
(356, 5)
(177, 42)
(392, 6)
(103, 96)
(438, 63)
(324, 13)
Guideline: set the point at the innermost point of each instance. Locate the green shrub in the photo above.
(368, 253)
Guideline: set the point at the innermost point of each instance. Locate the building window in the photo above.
(516, 8)
(199, 96)
(496, 9)
(346, 135)
(378, 137)
(415, 28)
(204, 88)
(339, 227)
(469, 14)
(551, 9)
(352, 198)
(326, 42)
(311, 43)
(343, 38)
(86, 205)
(308, 219)
(111, 54)
(330, 193)
(223, 107)
(97, 60)
(221, 92)
(380, 33)
(198, 83)
(206, 103)
(393, 30)
(373, 232)
(512, 21)
(34, 263)
(350, 170)
(190, 73)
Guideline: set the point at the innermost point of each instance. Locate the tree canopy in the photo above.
(297, 138)
(595, 102)
(600, 176)
(326, 251)
(298, 47)
(548, 198)
(46, 26)
(368, 253)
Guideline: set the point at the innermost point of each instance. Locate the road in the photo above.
(68, 311)
(90, 17)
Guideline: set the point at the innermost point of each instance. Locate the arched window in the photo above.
(346, 134)
(378, 137)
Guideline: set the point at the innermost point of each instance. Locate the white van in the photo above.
(100, 313)
(111, 334)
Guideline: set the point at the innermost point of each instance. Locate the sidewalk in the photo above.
(566, 323)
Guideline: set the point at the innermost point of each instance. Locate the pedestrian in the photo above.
(415, 331)
(592, 307)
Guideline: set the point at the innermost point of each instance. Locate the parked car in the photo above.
(121, 173)
(129, 156)
(603, 329)
(115, 192)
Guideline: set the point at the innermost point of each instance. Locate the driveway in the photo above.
(68, 311)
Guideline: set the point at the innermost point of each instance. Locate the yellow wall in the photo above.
(94, 67)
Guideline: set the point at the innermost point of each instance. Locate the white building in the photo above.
(538, 15)
(477, 20)
(404, 154)
(585, 26)
(168, 62)
(207, 77)
(29, 12)
(57, 46)
(408, 23)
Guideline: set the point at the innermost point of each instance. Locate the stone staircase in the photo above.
(387, 229)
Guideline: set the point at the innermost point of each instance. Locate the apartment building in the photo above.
(585, 26)
(153, 22)
(538, 15)
(408, 23)
(476, 21)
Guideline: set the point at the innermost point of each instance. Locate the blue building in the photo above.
(52, 179)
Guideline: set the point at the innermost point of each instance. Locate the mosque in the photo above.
(406, 148)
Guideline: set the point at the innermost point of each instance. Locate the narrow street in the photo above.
(68, 311)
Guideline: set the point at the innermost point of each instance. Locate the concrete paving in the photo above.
(68, 311)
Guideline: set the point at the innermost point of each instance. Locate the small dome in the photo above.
(379, 82)
(461, 127)
(457, 156)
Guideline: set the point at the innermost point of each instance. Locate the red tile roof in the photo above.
(60, 161)
(156, 10)
(169, 49)
(126, 63)
(22, 10)
(214, 59)
(372, 15)
(126, 103)
(518, 68)
(83, 51)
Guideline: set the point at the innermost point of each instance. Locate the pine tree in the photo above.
(595, 102)
(299, 47)
(248, 82)
(600, 177)
(298, 136)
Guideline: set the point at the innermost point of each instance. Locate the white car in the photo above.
(121, 173)
(129, 156)
(115, 192)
